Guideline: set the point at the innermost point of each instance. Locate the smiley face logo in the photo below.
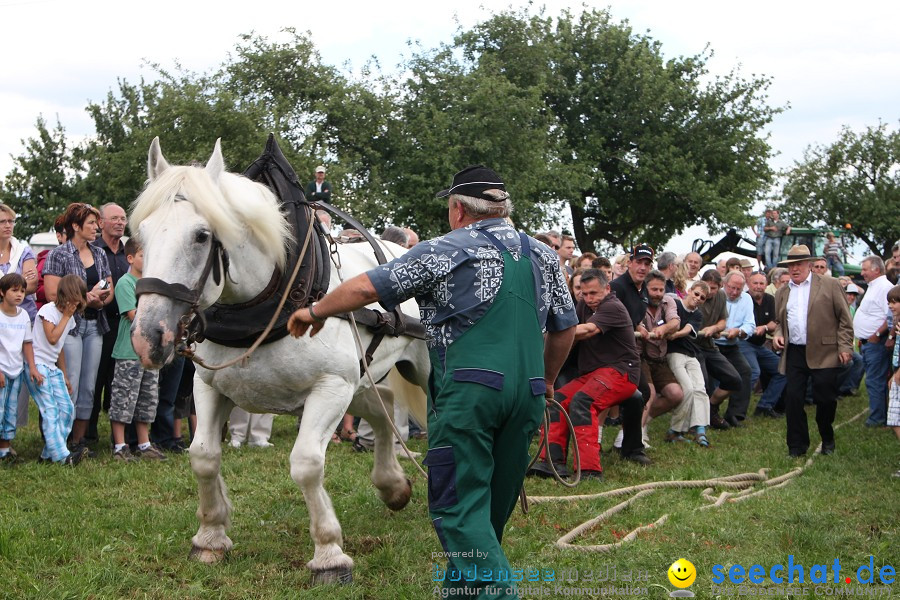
(682, 573)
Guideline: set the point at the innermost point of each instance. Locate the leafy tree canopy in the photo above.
(855, 180)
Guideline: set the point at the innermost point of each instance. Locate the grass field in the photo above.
(111, 530)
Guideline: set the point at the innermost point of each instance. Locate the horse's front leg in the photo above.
(323, 409)
(211, 542)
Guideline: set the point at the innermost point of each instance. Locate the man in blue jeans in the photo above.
(870, 326)
(754, 350)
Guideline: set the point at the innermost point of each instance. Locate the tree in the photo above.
(856, 181)
(646, 148)
(43, 181)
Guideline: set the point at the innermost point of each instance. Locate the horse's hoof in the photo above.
(401, 500)
(341, 575)
(206, 556)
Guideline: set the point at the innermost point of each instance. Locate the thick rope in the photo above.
(744, 484)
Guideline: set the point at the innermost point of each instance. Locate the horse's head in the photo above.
(178, 242)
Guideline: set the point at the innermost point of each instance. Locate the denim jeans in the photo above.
(836, 266)
(82, 352)
(773, 248)
(851, 374)
(162, 432)
(762, 359)
(878, 360)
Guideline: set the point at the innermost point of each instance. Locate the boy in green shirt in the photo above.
(135, 390)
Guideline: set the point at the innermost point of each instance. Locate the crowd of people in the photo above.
(701, 343)
(66, 343)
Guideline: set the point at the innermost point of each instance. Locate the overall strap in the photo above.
(493, 239)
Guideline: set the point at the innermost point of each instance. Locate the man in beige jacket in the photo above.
(815, 330)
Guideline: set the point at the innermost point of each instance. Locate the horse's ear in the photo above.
(156, 162)
(216, 164)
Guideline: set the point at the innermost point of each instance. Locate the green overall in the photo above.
(486, 399)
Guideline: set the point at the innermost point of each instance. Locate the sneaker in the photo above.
(152, 453)
(717, 422)
(124, 455)
(76, 456)
(260, 444)
(896, 474)
(675, 436)
(236, 443)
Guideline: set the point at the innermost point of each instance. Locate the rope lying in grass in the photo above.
(744, 484)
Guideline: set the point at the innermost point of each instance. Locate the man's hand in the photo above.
(300, 321)
(642, 332)
(778, 342)
(845, 358)
(762, 330)
(732, 333)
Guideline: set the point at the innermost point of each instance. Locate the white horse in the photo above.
(178, 217)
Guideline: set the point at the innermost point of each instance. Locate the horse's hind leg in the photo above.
(323, 409)
(394, 488)
(211, 542)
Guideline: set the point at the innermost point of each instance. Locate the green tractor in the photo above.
(812, 238)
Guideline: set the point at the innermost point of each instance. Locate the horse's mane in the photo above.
(234, 209)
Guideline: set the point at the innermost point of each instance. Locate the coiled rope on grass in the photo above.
(744, 484)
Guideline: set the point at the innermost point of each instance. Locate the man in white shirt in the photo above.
(870, 326)
(815, 330)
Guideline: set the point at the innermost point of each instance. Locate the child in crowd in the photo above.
(15, 352)
(53, 323)
(893, 416)
(135, 390)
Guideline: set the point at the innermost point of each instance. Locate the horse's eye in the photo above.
(201, 237)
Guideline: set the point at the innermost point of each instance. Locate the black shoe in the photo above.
(76, 456)
(734, 422)
(796, 453)
(594, 475)
(639, 457)
(717, 422)
(359, 447)
(82, 445)
(542, 469)
(612, 422)
(846, 393)
(767, 412)
(828, 448)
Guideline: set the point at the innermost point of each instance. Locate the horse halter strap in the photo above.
(191, 297)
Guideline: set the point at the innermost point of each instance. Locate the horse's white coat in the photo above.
(316, 377)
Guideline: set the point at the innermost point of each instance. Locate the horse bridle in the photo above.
(192, 324)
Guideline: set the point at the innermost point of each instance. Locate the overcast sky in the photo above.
(835, 63)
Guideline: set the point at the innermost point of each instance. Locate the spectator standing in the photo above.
(775, 229)
(319, 190)
(566, 252)
(55, 319)
(870, 326)
(412, 237)
(15, 353)
(666, 264)
(853, 372)
(16, 256)
(893, 415)
(83, 345)
(59, 227)
(759, 230)
(135, 390)
(778, 277)
(833, 252)
(693, 262)
(112, 229)
(816, 333)
(819, 266)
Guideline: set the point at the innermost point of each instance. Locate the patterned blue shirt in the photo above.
(64, 260)
(455, 278)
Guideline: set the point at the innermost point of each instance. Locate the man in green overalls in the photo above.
(486, 294)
